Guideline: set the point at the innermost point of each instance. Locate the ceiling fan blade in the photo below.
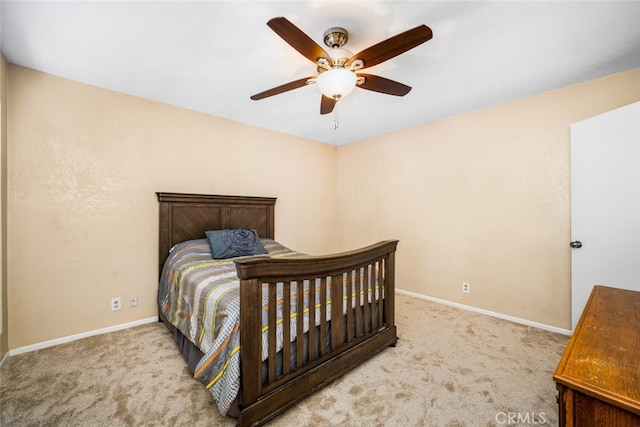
(393, 46)
(383, 85)
(326, 105)
(298, 39)
(282, 88)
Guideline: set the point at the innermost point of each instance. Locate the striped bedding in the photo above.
(200, 297)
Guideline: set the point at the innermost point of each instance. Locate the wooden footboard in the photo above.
(355, 320)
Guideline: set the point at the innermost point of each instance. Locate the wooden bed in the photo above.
(358, 329)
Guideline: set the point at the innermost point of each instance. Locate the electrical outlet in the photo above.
(466, 287)
(116, 303)
(133, 301)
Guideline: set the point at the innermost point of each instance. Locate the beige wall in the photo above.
(482, 197)
(84, 166)
(4, 336)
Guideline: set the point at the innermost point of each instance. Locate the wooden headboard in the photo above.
(186, 216)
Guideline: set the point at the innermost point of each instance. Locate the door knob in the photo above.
(577, 244)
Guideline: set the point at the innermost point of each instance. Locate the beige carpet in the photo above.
(450, 368)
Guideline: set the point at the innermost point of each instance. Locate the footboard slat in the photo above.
(323, 316)
(366, 310)
(374, 301)
(349, 306)
(341, 307)
(381, 284)
(286, 330)
(272, 325)
(300, 325)
(359, 298)
(337, 321)
(313, 349)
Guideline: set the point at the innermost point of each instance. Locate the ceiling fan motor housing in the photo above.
(336, 37)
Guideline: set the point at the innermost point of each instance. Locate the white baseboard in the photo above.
(488, 313)
(75, 337)
(4, 359)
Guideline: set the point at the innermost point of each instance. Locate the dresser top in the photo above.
(602, 358)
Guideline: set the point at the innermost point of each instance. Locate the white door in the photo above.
(605, 204)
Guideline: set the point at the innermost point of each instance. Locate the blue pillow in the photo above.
(234, 243)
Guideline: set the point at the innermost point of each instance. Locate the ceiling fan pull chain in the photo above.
(336, 123)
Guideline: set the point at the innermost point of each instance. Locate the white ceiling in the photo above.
(211, 56)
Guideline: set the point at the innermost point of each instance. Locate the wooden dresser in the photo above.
(598, 377)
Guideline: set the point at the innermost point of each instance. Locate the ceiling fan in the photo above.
(338, 69)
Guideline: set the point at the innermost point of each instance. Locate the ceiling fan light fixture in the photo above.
(336, 83)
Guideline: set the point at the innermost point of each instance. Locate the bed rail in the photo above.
(346, 334)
